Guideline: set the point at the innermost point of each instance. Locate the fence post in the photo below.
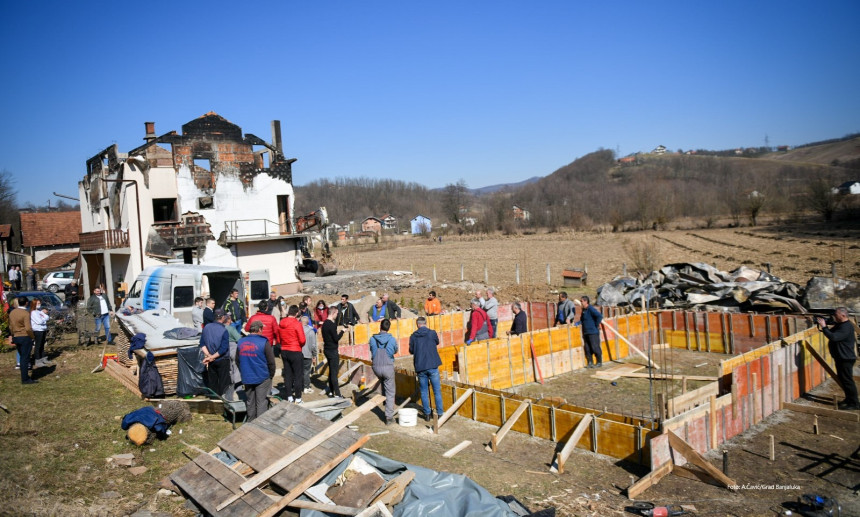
(518, 273)
(547, 276)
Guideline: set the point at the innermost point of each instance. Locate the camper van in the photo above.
(172, 288)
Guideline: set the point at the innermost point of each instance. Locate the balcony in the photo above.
(248, 230)
(104, 240)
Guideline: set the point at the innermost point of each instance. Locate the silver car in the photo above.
(56, 280)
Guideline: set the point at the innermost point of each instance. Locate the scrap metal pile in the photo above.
(698, 284)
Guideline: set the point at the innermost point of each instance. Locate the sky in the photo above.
(432, 92)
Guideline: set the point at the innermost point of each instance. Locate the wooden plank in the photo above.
(712, 422)
(453, 409)
(616, 372)
(262, 476)
(316, 476)
(205, 479)
(823, 362)
(346, 375)
(124, 376)
(558, 465)
(322, 507)
(663, 376)
(500, 434)
(454, 450)
(393, 491)
(631, 345)
(684, 448)
(650, 480)
(820, 411)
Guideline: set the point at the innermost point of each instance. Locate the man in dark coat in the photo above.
(520, 325)
(215, 343)
(72, 292)
(842, 345)
(591, 319)
(422, 346)
(347, 316)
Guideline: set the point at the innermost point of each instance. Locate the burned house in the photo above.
(208, 196)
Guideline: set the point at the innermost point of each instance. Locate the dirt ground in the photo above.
(627, 395)
(795, 252)
(54, 442)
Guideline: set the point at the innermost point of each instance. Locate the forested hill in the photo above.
(646, 190)
(353, 199)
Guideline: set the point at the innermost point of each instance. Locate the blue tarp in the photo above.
(431, 493)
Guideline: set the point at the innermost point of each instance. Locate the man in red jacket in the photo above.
(292, 338)
(270, 324)
(479, 324)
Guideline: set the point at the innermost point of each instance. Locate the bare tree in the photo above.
(455, 197)
(821, 199)
(8, 198)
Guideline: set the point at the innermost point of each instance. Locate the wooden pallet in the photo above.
(261, 444)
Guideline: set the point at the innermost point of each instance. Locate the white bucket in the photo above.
(407, 417)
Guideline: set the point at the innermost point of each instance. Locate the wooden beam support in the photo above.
(678, 444)
(631, 345)
(393, 491)
(558, 465)
(823, 362)
(498, 435)
(650, 480)
(816, 410)
(346, 375)
(264, 475)
(452, 410)
(454, 450)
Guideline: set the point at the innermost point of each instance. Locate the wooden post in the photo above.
(781, 387)
(547, 275)
(518, 273)
(707, 332)
(462, 276)
(434, 273)
(712, 421)
(696, 331)
(686, 330)
(772, 449)
(731, 334)
(754, 398)
(486, 277)
(815, 424)
(454, 450)
(683, 384)
(661, 407)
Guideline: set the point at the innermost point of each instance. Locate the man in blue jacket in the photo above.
(842, 347)
(591, 319)
(383, 347)
(256, 361)
(422, 346)
(215, 344)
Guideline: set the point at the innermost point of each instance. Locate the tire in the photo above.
(53, 288)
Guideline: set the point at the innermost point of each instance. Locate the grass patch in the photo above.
(60, 432)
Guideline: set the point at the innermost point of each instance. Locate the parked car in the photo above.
(56, 280)
(62, 318)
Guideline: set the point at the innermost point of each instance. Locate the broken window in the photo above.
(259, 289)
(203, 163)
(205, 202)
(164, 210)
(284, 214)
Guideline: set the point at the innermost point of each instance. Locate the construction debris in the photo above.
(697, 284)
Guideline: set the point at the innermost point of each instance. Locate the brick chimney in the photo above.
(150, 131)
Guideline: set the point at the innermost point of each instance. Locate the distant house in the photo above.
(469, 221)
(627, 160)
(849, 187)
(372, 224)
(739, 151)
(660, 149)
(389, 222)
(420, 225)
(46, 233)
(782, 148)
(521, 213)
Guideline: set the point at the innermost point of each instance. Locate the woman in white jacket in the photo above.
(39, 321)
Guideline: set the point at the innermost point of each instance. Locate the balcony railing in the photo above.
(104, 240)
(254, 229)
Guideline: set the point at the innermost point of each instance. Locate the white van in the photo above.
(174, 287)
